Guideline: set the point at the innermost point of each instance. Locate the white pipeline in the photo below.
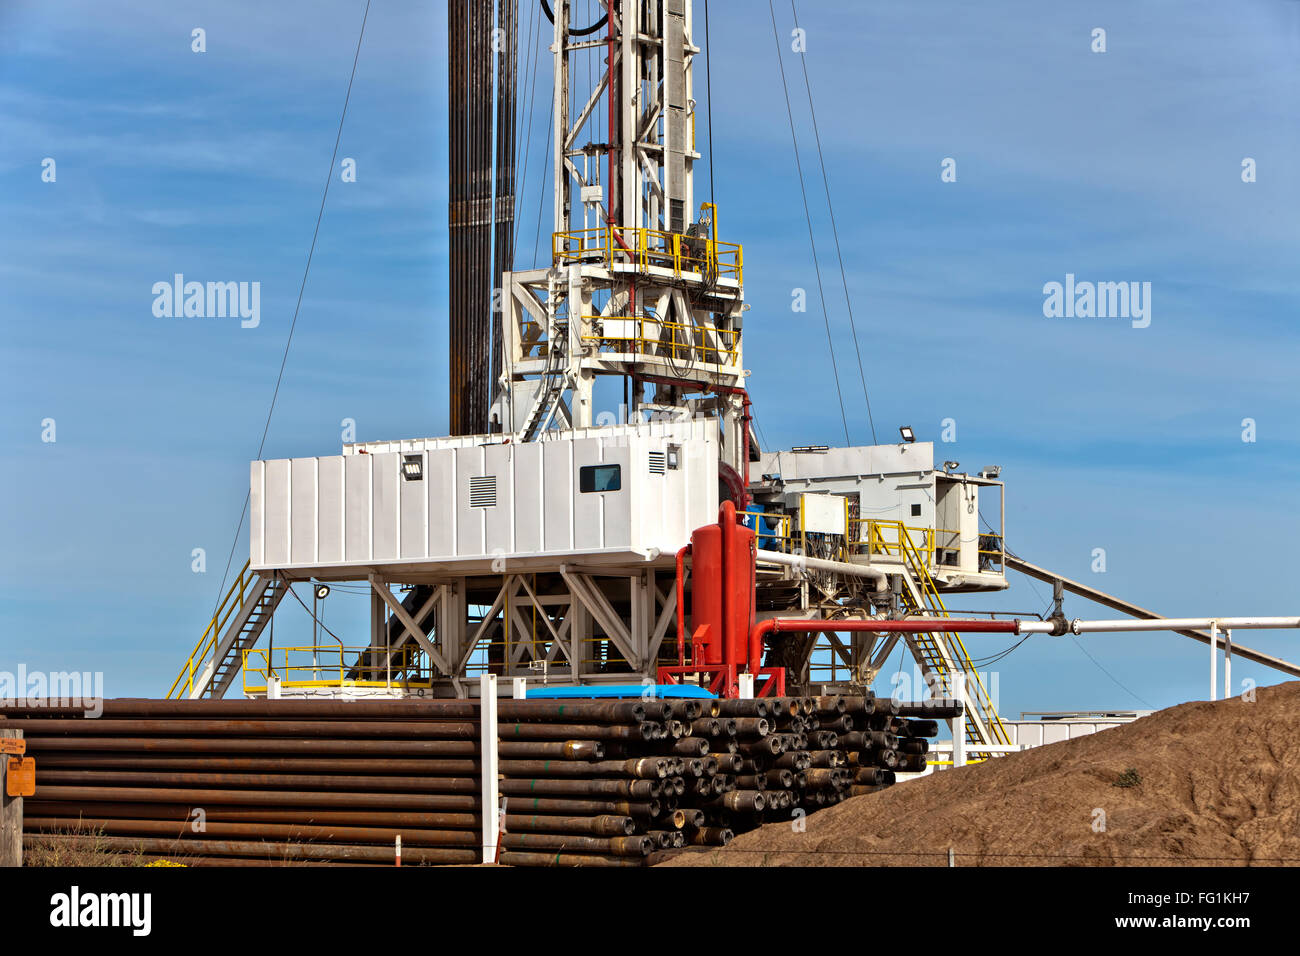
(1078, 626)
(800, 561)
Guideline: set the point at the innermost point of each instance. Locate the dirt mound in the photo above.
(1215, 784)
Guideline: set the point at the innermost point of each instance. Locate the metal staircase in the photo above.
(941, 653)
(235, 627)
(545, 405)
(552, 386)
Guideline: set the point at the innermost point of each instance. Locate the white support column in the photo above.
(958, 723)
(746, 682)
(489, 766)
(1227, 664)
(520, 687)
(1214, 661)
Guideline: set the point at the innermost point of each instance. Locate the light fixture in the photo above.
(413, 467)
(992, 471)
(322, 591)
(809, 449)
(674, 457)
(909, 436)
(951, 466)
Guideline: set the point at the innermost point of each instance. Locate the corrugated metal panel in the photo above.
(695, 428)
(481, 502)
(1036, 733)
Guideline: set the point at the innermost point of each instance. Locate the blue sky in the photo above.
(1115, 166)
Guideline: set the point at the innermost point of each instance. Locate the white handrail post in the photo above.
(489, 765)
(959, 722)
(746, 684)
(1227, 664)
(1214, 660)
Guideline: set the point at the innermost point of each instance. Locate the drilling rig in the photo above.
(551, 543)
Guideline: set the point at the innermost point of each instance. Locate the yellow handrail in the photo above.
(648, 336)
(233, 601)
(329, 673)
(782, 534)
(877, 542)
(646, 248)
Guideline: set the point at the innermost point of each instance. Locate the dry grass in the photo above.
(80, 845)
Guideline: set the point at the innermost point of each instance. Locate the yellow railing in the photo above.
(328, 665)
(997, 556)
(872, 536)
(652, 336)
(646, 248)
(886, 538)
(232, 602)
(773, 531)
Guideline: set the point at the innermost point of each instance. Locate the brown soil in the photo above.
(1219, 786)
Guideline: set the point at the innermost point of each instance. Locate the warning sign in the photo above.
(20, 781)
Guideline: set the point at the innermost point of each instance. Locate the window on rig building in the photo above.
(598, 478)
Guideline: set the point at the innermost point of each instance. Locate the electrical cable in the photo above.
(301, 289)
(541, 192)
(294, 595)
(524, 138)
(1084, 650)
(848, 301)
(1000, 655)
(776, 37)
(1109, 674)
(708, 93)
(585, 31)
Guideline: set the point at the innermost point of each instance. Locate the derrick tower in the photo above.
(639, 286)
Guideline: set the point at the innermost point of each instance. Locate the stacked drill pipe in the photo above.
(586, 782)
(816, 752)
(326, 781)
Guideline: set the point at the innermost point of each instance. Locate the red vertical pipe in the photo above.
(681, 604)
(727, 520)
(610, 95)
(740, 593)
(745, 419)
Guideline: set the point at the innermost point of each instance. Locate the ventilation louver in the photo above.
(483, 492)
